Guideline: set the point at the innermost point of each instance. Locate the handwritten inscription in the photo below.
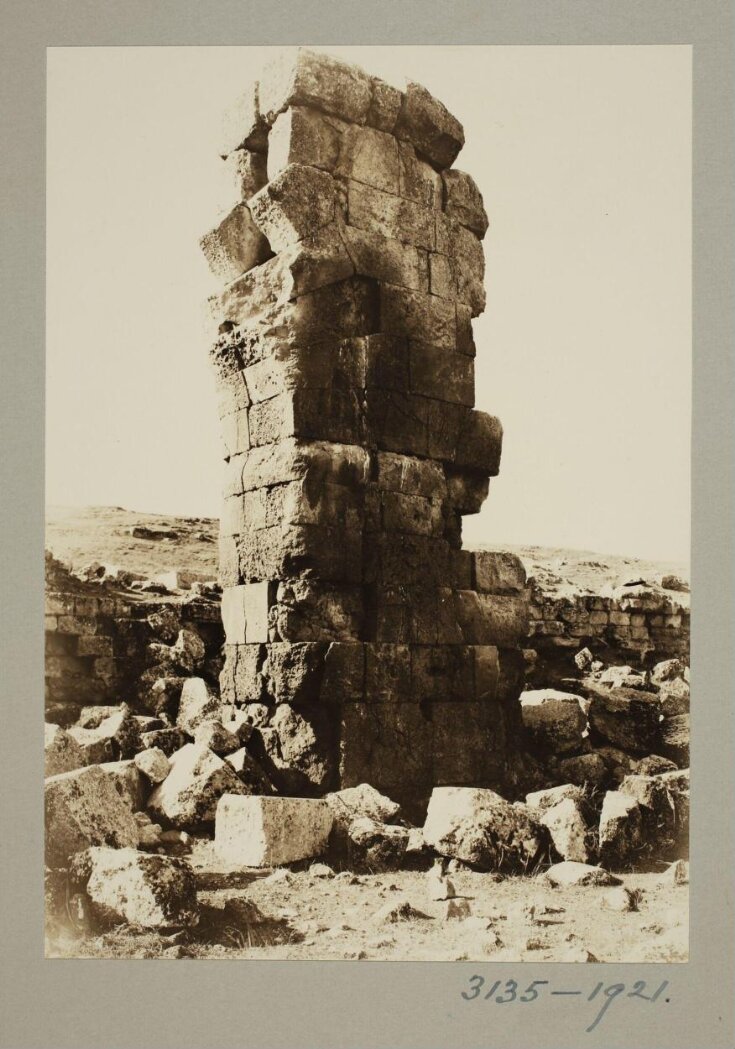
(507, 992)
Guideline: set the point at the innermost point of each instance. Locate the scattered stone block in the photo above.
(546, 799)
(674, 697)
(584, 769)
(668, 670)
(554, 720)
(268, 832)
(675, 739)
(676, 874)
(62, 753)
(154, 892)
(214, 735)
(128, 782)
(568, 830)
(621, 830)
(373, 846)
(153, 763)
(83, 808)
(249, 772)
(626, 718)
(360, 801)
(479, 827)
(197, 705)
(620, 899)
(571, 873)
(396, 911)
(190, 793)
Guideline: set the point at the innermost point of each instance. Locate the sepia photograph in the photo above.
(368, 495)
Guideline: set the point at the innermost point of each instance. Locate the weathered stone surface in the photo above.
(627, 718)
(154, 892)
(297, 748)
(674, 697)
(197, 780)
(554, 720)
(309, 78)
(235, 245)
(249, 772)
(197, 705)
(374, 846)
(268, 832)
(584, 769)
(245, 613)
(352, 803)
(568, 830)
(168, 740)
(621, 830)
(497, 572)
(246, 171)
(429, 126)
(675, 739)
(547, 799)
(622, 677)
(153, 763)
(62, 753)
(463, 201)
(479, 827)
(572, 873)
(297, 203)
(676, 874)
(83, 808)
(303, 135)
(128, 782)
(217, 738)
(668, 670)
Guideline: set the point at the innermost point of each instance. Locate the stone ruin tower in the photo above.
(365, 643)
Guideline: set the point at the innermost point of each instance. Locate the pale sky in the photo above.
(583, 157)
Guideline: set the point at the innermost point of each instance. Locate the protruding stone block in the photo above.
(269, 832)
(236, 245)
(297, 203)
(429, 126)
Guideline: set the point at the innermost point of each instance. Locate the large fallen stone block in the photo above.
(268, 831)
(658, 812)
(568, 830)
(61, 752)
(249, 771)
(197, 780)
(197, 704)
(668, 670)
(674, 697)
(621, 839)
(83, 808)
(296, 748)
(479, 827)
(627, 718)
(154, 764)
(154, 892)
(554, 720)
(128, 782)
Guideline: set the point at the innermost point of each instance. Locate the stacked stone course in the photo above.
(344, 359)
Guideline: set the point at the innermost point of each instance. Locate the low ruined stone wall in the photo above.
(107, 644)
(640, 625)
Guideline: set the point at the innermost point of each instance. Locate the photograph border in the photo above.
(80, 1003)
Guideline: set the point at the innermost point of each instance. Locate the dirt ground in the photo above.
(302, 915)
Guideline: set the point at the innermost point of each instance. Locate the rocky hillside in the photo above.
(154, 543)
